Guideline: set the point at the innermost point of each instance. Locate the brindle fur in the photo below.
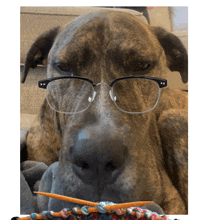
(152, 147)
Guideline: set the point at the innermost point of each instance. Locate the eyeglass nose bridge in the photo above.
(111, 93)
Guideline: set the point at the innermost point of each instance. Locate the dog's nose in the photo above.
(98, 160)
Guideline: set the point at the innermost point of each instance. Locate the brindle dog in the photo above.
(105, 154)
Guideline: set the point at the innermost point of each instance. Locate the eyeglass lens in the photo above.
(69, 95)
(136, 94)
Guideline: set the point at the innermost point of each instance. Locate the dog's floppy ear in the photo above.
(39, 50)
(177, 58)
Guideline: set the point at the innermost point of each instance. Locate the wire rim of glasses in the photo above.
(139, 112)
(63, 112)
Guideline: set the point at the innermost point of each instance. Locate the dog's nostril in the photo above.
(85, 165)
(82, 164)
(110, 167)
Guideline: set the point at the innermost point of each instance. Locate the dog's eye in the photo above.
(141, 66)
(64, 67)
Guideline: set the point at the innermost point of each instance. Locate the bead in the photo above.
(147, 214)
(128, 211)
(118, 211)
(33, 216)
(74, 211)
(139, 209)
(101, 207)
(64, 213)
(154, 216)
(164, 217)
(138, 215)
(49, 214)
(84, 210)
(138, 212)
(43, 215)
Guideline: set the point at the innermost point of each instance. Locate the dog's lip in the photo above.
(98, 193)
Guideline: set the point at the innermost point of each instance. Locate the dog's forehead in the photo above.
(121, 28)
(116, 22)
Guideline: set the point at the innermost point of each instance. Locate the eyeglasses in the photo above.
(131, 94)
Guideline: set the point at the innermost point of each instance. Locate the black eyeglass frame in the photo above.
(161, 82)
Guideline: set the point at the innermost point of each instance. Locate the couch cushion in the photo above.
(26, 120)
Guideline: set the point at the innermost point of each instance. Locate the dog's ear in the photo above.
(39, 50)
(177, 58)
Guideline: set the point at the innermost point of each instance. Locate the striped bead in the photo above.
(84, 210)
(101, 207)
(64, 213)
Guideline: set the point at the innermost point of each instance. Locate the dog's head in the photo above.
(109, 154)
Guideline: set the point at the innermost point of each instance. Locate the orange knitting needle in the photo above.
(67, 199)
(84, 202)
